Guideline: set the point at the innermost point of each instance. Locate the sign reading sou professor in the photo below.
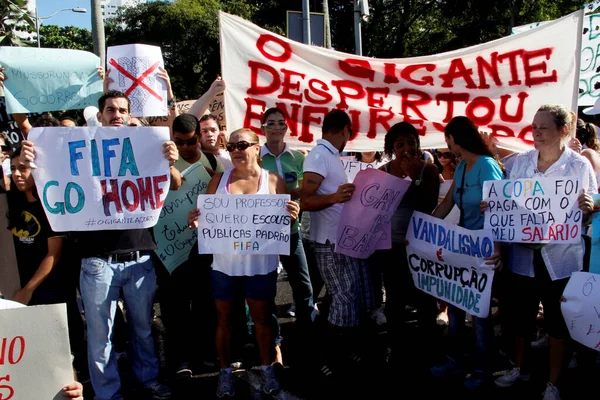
(244, 224)
(535, 210)
(447, 262)
(499, 85)
(101, 178)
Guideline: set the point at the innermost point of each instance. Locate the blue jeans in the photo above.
(296, 267)
(101, 283)
(484, 333)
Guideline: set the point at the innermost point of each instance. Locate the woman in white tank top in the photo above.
(256, 275)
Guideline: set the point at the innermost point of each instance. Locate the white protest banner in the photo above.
(133, 71)
(174, 240)
(101, 178)
(365, 220)
(589, 73)
(499, 85)
(39, 80)
(353, 167)
(446, 261)
(35, 357)
(244, 224)
(216, 108)
(581, 309)
(535, 210)
(182, 108)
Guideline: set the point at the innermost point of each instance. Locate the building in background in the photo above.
(110, 7)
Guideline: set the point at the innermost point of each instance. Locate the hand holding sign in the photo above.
(344, 193)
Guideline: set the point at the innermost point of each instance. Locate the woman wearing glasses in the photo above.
(256, 275)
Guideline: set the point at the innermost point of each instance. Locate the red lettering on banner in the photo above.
(252, 115)
(308, 118)
(407, 71)
(375, 118)
(15, 350)
(524, 132)
(261, 46)
(450, 98)
(497, 129)
(145, 186)
(541, 66)
(372, 101)
(355, 119)
(6, 391)
(390, 73)
(357, 68)
(512, 59)
(481, 102)
(254, 89)
(413, 104)
(291, 118)
(157, 190)
(111, 196)
(457, 70)
(287, 85)
(131, 206)
(342, 86)
(326, 97)
(518, 116)
(491, 68)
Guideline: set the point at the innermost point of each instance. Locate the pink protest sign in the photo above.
(365, 221)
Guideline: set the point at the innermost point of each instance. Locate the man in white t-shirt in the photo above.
(325, 189)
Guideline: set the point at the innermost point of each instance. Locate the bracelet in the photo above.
(171, 102)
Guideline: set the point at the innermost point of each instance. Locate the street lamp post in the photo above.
(37, 19)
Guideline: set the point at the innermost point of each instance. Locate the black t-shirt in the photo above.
(31, 233)
(99, 243)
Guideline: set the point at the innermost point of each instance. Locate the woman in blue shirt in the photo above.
(477, 166)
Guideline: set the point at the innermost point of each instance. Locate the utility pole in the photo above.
(357, 31)
(98, 32)
(327, 25)
(306, 21)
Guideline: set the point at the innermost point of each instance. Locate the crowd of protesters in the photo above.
(116, 273)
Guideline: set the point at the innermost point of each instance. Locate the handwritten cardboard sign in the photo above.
(535, 210)
(134, 69)
(217, 109)
(39, 80)
(446, 261)
(167, 120)
(582, 308)
(244, 224)
(499, 85)
(173, 238)
(353, 167)
(35, 358)
(101, 178)
(365, 220)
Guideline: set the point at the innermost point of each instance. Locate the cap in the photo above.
(90, 114)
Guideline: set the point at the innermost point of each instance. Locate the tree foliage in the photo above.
(68, 37)
(14, 17)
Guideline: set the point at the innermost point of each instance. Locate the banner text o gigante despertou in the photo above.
(118, 192)
(374, 85)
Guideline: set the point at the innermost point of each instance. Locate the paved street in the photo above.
(406, 375)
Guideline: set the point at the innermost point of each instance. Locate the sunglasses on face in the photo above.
(446, 154)
(271, 126)
(5, 148)
(241, 145)
(188, 142)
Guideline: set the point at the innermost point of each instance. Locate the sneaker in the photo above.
(378, 316)
(540, 343)
(158, 391)
(270, 382)
(476, 381)
(510, 377)
(225, 386)
(551, 392)
(236, 365)
(291, 312)
(184, 370)
(449, 369)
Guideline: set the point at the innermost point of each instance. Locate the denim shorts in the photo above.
(256, 287)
